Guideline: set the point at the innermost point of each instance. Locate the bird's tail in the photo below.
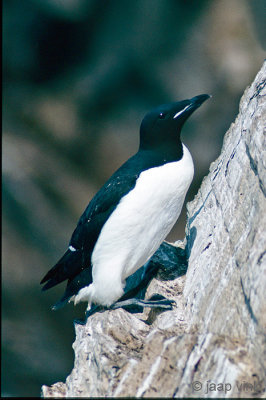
(84, 278)
(66, 268)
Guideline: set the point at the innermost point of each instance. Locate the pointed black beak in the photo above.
(190, 106)
(198, 100)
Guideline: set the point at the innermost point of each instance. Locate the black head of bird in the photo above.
(162, 126)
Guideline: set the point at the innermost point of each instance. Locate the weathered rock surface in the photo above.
(212, 344)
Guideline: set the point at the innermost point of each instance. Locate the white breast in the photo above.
(137, 227)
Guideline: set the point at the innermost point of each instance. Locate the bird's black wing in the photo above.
(89, 227)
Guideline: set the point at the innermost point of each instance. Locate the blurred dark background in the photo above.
(79, 75)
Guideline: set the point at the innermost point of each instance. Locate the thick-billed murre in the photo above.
(130, 216)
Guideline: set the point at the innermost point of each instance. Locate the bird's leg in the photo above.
(95, 308)
(162, 302)
(156, 301)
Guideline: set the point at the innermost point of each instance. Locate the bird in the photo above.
(130, 216)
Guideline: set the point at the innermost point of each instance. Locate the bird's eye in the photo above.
(162, 115)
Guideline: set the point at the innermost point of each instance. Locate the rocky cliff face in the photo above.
(212, 343)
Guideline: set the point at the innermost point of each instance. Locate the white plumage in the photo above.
(136, 228)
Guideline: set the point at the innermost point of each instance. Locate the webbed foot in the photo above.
(156, 301)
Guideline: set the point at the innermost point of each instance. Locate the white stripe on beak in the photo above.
(180, 112)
